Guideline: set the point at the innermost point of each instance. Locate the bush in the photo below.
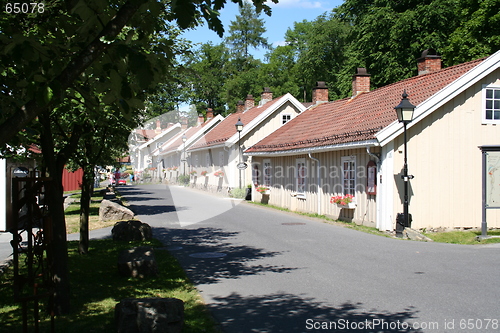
(239, 193)
(183, 179)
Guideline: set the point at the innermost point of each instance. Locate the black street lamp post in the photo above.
(239, 128)
(405, 115)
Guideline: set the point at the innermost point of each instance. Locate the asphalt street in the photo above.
(262, 270)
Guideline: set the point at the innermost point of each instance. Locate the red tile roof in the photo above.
(172, 146)
(226, 128)
(356, 119)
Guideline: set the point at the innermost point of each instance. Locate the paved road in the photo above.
(261, 270)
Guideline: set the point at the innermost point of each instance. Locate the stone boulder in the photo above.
(137, 262)
(149, 315)
(132, 230)
(111, 211)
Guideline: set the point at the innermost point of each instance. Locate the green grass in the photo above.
(72, 213)
(96, 287)
(463, 237)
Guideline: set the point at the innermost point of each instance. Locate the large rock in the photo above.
(132, 230)
(111, 211)
(137, 262)
(149, 315)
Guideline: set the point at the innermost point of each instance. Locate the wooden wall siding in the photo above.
(444, 157)
(72, 181)
(284, 186)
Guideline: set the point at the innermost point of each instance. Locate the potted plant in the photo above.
(344, 201)
(204, 173)
(193, 173)
(263, 190)
(219, 173)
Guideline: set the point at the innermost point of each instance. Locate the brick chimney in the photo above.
(249, 102)
(158, 126)
(201, 119)
(360, 82)
(320, 93)
(266, 96)
(184, 123)
(240, 107)
(429, 62)
(210, 114)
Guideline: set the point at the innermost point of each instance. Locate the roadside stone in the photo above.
(132, 230)
(149, 315)
(415, 235)
(137, 262)
(109, 211)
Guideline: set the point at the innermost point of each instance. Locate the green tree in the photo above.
(388, 36)
(478, 33)
(208, 69)
(246, 32)
(51, 56)
(45, 52)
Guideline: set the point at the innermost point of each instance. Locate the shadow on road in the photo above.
(153, 210)
(291, 313)
(237, 261)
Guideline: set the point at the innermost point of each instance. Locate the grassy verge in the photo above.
(468, 237)
(73, 214)
(96, 287)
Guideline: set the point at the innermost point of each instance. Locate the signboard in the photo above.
(242, 166)
(490, 183)
(493, 179)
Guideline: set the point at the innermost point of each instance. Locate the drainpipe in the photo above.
(377, 159)
(318, 166)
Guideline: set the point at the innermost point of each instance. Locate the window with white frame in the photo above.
(268, 172)
(285, 118)
(349, 174)
(301, 176)
(491, 111)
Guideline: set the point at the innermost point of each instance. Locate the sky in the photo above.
(284, 14)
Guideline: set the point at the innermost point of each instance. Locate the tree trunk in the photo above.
(87, 190)
(57, 247)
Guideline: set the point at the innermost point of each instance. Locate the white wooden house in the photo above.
(355, 146)
(214, 158)
(171, 158)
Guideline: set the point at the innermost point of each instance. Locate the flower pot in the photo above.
(350, 205)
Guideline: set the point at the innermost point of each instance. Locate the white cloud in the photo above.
(280, 43)
(297, 4)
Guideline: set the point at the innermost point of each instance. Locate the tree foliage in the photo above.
(385, 36)
(73, 66)
(246, 32)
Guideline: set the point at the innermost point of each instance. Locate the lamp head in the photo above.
(405, 109)
(239, 125)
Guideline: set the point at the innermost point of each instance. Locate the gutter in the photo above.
(318, 166)
(320, 149)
